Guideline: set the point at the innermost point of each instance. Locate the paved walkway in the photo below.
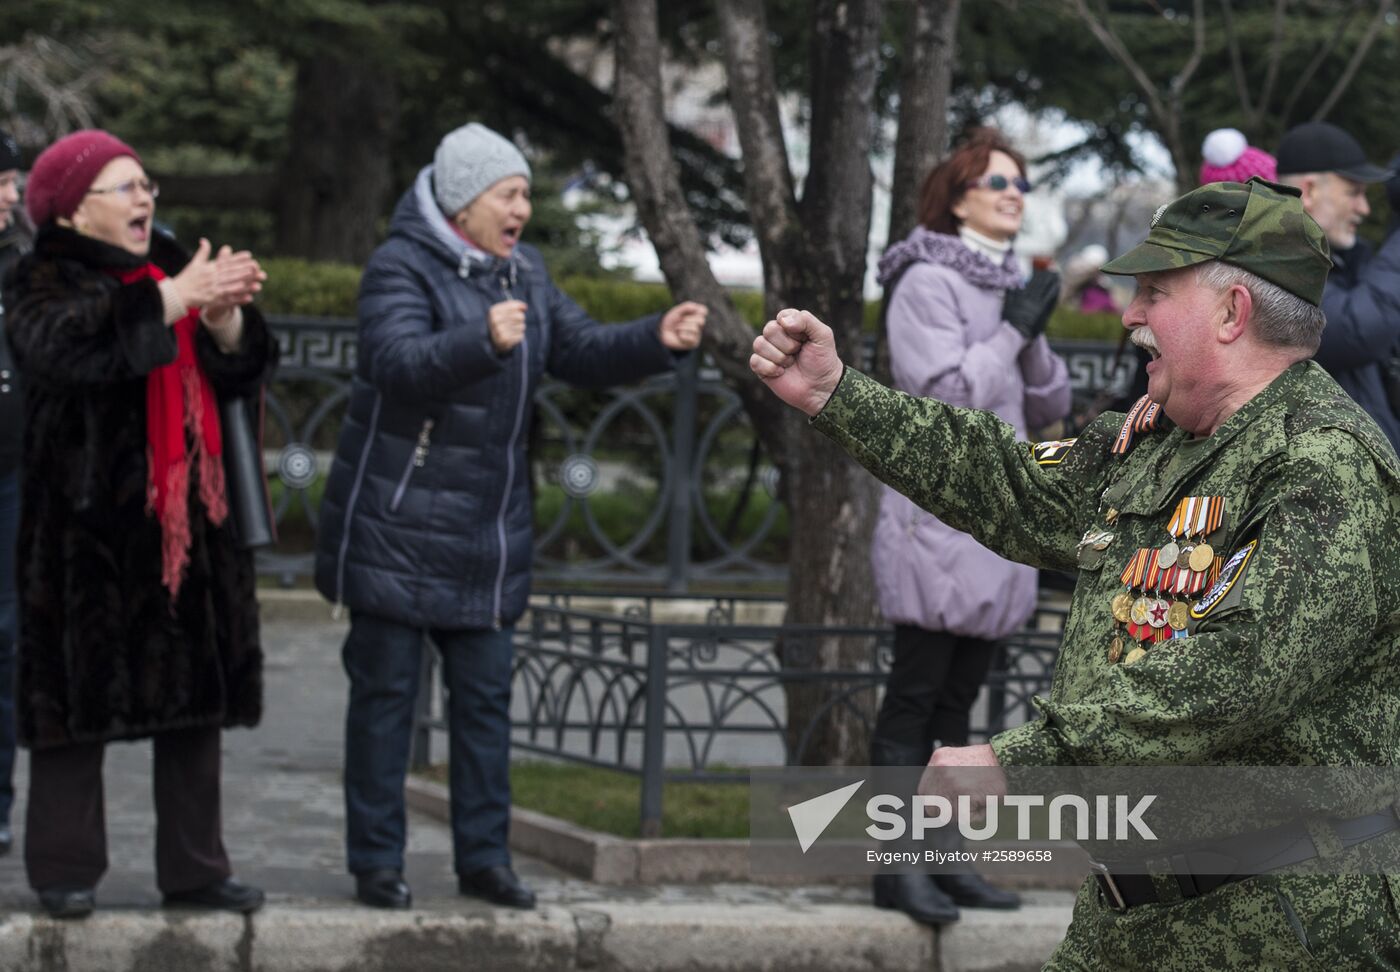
(283, 827)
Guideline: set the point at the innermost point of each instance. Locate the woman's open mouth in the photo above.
(140, 228)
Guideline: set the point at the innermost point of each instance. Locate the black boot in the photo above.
(965, 886)
(914, 894)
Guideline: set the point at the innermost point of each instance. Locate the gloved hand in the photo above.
(1028, 309)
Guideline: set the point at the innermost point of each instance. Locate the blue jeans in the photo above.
(9, 638)
(384, 659)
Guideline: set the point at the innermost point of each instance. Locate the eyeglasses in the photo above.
(128, 189)
(998, 183)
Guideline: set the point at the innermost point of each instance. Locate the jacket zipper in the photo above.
(510, 468)
(416, 461)
(338, 610)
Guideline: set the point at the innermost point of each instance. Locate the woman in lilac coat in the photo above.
(965, 328)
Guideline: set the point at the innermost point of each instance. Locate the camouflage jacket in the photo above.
(1291, 656)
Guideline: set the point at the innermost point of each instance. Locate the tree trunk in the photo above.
(814, 257)
(337, 177)
(925, 81)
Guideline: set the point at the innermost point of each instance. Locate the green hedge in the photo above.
(328, 290)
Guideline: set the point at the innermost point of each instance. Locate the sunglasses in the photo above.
(998, 183)
(128, 189)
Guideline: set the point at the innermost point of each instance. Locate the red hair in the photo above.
(947, 182)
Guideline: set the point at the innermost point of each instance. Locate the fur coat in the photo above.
(104, 654)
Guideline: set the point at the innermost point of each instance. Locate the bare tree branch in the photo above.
(1266, 94)
(654, 181)
(1323, 51)
(1232, 43)
(1357, 56)
(1112, 43)
(59, 77)
(925, 81)
(768, 184)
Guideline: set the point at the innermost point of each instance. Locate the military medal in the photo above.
(1167, 556)
(1183, 559)
(1157, 612)
(1202, 556)
(1115, 650)
(1178, 616)
(1135, 655)
(1123, 608)
(1140, 608)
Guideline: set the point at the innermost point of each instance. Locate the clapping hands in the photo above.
(221, 282)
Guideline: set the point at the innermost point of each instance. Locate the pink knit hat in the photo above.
(1230, 158)
(63, 172)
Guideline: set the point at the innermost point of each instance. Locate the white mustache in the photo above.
(1143, 338)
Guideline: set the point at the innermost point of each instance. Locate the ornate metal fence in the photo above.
(692, 700)
(659, 485)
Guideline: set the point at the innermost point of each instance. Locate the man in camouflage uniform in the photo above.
(1244, 457)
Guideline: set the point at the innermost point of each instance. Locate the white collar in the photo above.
(994, 250)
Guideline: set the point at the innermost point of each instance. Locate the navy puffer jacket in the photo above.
(1362, 304)
(426, 518)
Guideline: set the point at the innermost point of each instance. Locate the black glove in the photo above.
(1028, 309)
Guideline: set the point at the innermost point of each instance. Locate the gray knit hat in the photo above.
(471, 160)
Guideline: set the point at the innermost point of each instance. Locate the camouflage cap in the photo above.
(1257, 226)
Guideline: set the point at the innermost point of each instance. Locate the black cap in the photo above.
(1323, 147)
(9, 152)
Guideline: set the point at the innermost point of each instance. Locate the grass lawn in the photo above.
(609, 801)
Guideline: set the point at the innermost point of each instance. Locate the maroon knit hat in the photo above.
(63, 172)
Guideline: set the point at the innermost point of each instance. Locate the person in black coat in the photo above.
(1362, 299)
(425, 527)
(137, 610)
(14, 243)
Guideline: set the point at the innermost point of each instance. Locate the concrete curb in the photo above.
(611, 936)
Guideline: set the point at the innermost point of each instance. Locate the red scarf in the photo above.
(179, 397)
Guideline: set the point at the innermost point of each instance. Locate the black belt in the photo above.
(1200, 870)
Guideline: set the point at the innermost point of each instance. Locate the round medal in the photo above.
(1183, 559)
(1178, 615)
(1138, 613)
(1134, 655)
(1157, 612)
(1123, 608)
(1115, 650)
(1202, 556)
(1168, 554)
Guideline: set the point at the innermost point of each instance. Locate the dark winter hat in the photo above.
(471, 160)
(9, 152)
(1257, 226)
(1322, 147)
(63, 172)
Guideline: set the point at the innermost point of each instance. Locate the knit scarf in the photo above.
(179, 397)
(923, 245)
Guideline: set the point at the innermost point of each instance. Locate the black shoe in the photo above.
(7, 839)
(225, 895)
(499, 885)
(973, 891)
(383, 888)
(68, 902)
(916, 896)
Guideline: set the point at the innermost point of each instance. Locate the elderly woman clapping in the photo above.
(137, 610)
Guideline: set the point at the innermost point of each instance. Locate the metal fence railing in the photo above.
(698, 697)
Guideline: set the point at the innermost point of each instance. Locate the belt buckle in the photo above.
(1109, 887)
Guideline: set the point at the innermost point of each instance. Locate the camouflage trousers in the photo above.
(1336, 923)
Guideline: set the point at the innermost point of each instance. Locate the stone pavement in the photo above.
(283, 826)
